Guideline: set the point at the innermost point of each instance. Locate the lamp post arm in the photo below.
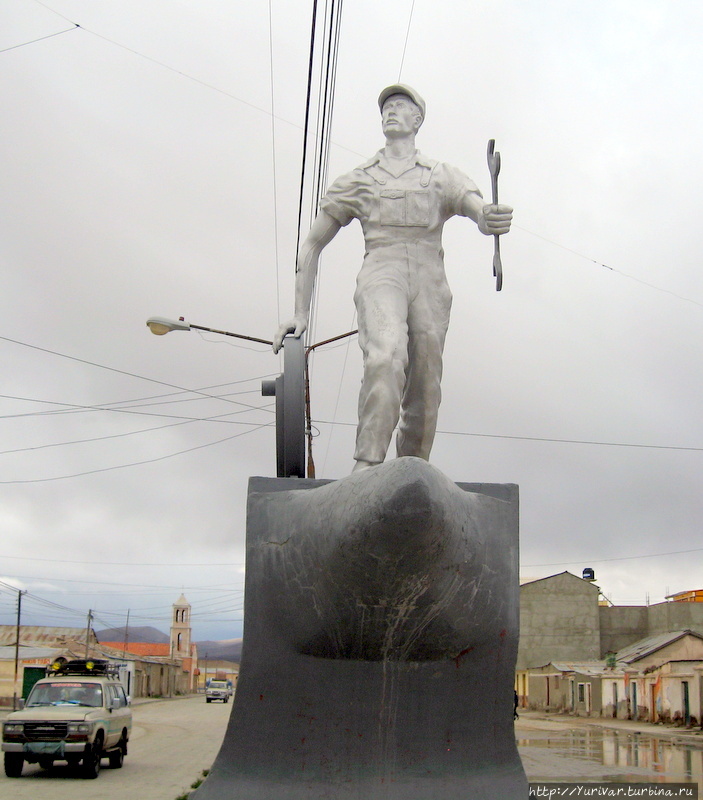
(235, 335)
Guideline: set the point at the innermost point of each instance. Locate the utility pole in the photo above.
(125, 642)
(125, 645)
(17, 647)
(87, 631)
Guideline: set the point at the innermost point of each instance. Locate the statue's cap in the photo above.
(401, 88)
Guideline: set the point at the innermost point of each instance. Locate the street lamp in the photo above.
(162, 325)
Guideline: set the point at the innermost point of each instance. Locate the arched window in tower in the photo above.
(179, 644)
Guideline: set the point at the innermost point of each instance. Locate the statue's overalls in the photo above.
(402, 296)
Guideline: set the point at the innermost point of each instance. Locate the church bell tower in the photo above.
(180, 629)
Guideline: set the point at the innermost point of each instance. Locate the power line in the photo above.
(76, 408)
(111, 369)
(127, 563)
(605, 560)
(119, 405)
(305, 132)
(40, 39)
(273, 158)
(141, 401)
(162, 64)
(407, 36)
(136, 463)
(308, 95)
(325, 112)
(543, 439)
(609, 268)
(101, 583)
(107, 437)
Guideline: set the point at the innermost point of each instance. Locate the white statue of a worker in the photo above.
(402, 200)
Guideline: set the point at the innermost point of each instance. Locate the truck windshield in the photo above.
(66, 694)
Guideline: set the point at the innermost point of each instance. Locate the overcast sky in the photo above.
(151, 165)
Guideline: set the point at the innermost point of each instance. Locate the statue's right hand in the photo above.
(296, 326)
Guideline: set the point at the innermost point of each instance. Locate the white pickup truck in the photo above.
(217, 690)
(79, 713)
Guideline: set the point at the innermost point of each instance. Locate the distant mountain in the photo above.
(144, 634)
(225, 650)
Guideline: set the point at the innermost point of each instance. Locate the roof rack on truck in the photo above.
(82, 666)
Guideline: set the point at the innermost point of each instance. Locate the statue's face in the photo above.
(400, 116)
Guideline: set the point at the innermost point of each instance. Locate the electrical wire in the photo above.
(306, 126)
(111, 369)
(273, 158)
(407, 36)
(609, 268)
(620, 558)
(126, 563)
(40, 39)
(134, 463)
(346, 344)
(75, 407)
(325, 112)
(137, 402)
(543, 439)
(101, 582)
(337, 144)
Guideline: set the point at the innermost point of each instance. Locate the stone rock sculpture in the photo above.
(380, 635)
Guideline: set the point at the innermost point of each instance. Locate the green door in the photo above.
(29, 677)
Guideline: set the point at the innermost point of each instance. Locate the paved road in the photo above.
(172, 742)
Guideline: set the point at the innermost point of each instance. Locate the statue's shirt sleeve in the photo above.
(349, 197)
(450, 187)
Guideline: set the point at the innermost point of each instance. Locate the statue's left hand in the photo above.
(494, 220)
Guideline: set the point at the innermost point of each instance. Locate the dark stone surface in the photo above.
(380, 635)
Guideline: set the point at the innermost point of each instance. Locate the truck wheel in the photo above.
(91, 760)
(207, 699)
(117, 756)
(13, 764)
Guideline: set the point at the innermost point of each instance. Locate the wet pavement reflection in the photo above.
(556, 752)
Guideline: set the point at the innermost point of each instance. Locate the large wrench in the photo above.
(494, 169)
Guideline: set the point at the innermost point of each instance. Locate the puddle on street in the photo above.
(614, 754)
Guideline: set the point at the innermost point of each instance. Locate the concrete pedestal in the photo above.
(380, 635)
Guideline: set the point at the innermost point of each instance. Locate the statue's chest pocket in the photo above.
(405, 208)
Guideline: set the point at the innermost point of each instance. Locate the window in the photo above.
(117, 694)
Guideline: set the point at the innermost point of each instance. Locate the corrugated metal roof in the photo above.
(40, 635)
(583, 668)
(651, 644)
(7, 653)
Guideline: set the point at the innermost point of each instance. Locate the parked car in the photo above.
(217, 690)
(78, 713)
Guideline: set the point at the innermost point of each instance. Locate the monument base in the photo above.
(380, 636)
